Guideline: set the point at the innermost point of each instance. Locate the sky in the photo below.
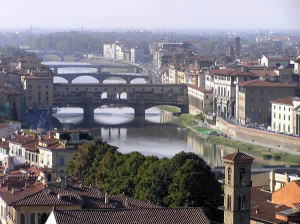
(151, 14)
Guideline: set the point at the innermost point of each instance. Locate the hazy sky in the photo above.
(189, 14)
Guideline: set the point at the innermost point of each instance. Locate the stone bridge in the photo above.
(102, 76)
(138, 96)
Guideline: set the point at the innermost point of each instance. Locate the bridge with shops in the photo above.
(127, 77)
(137, 96)
(55, 67)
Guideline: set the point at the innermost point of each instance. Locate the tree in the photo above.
(194, 185)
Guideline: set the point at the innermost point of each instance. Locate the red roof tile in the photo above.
(126, 216)
(261, 83)
(200, 89)
(238, 156)
(287, 101)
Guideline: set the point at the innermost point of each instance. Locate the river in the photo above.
(154, 136)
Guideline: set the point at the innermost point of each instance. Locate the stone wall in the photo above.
(259, 137)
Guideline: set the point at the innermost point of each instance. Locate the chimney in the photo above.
(126, 202)
(106, 198)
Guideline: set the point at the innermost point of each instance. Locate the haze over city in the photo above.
(154, 14)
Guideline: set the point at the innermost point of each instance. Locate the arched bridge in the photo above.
(138, 96)
(102, 76)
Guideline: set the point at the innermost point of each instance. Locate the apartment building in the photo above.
(286, 115)
(255, 97)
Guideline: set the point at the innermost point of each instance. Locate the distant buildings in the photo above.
(238, 47)
(123, 51)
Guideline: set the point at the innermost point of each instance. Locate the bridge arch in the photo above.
(85, 79)
(167, 107)
(138, 80)
(58, 79)
(114, 80)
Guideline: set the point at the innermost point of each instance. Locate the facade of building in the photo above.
(38, 92)
(224, 82)
(123, 51)
(285, 115)
(255, 97)
(200, 100)
(274, 61)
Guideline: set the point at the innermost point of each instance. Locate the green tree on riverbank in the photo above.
(184, 180)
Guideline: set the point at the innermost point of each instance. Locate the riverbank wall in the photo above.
(258, 137)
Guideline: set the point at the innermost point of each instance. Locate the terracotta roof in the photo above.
(89, 198)
(261, 83)
(261, 207)
(9, 197)
(264, 73)
(238, 156)
(126, 216)
(232, 72)
(200, 89)
(287, 101)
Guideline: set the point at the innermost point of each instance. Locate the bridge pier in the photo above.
(139, 110)
(88, 114)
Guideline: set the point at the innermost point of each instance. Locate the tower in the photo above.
(237, 189)
(238, 47)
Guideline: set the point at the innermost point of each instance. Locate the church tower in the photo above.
(237, 189)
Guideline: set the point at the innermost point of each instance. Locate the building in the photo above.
(11, 104)
(230, 52)
(281, 177)
(279, 207)
(255, 97)
(297, 66)
(286, 115)
(200, 100)
(237, 46)
(109, 50)
(123, 51)
(38, 92)
(274, 61)
(53, 151)
(224, 85)
(237, 188)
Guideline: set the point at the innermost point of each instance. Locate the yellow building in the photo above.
(38, 92)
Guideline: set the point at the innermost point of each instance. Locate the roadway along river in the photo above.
(153, 137)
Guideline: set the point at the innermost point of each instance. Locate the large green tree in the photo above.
(184, 180)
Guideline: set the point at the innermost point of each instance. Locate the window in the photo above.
(22, 218)
(240, 203)
(274, 115)
(242, 175)
(228, 202)
(61, 161)
(32, 218)
(229, 175)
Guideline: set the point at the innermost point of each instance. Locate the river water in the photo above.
(154, 136)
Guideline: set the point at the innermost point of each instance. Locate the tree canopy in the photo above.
(184, 180)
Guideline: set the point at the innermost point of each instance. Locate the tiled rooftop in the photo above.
(126, 216)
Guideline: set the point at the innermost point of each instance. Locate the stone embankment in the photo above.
(280, 142)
